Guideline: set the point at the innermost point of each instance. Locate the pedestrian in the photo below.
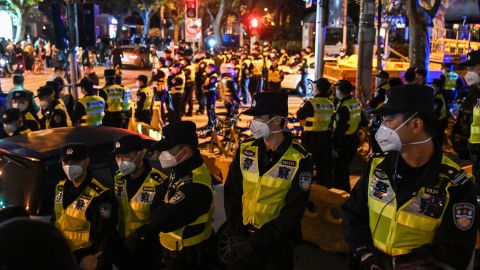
(117, 55)
(200, 77)
(143, 111)
(183, 213)
(412, 203)
(18, 81)
(54, 112)
(345, 139)
(440, 110)
(266, 190)
(189, 72)
(21, 100)
(210, 88)
(316, 114)
(89, 110)
(176, 88)
(89, 73)
(85, 210)
(113, 94)
(12, 124)
(230, 93)
(136, 184)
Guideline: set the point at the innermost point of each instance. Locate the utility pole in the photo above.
(72, 44)
(366, 40)
(379, 37)
(345, 25)
(320, 38)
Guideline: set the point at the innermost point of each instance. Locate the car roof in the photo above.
(42, 144)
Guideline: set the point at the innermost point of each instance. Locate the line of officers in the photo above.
(162, 219)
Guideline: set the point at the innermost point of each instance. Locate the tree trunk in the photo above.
(146, 25)
(176, 31)
(366, 40)
(217, 22)
(20, 22)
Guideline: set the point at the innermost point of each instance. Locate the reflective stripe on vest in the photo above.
(174, 241)
(162, 82)
(190, 78)
(258, 65)
(94, 111)
(475, 126)
(355, 110)
(126, 99)
(135, 212)
(147, 105)
(451, 81)
(264, 196)
(443, 110)
(114, 98)
(274, 76)
(211, 86)
(72, 220)
(25, 131)
(29, 117)
(397, 232)
(60, 106)
(322, 115)
(178, 89)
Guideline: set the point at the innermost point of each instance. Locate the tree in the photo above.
(146, 8)
(21, 9)
(176, 11)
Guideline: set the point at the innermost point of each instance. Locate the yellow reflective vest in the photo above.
(451, 81)
(72, 220)
(397, 230)
(147, 105)
(475, 126)
(94, 111)
(191, 74)
(355, 110)
(275, 75)
(115, 95)
(29, 117)
(178, 89)
(264, 195)
(135, 212)
(321, 120)
(60, 106)
(443, 110)
(174, 241)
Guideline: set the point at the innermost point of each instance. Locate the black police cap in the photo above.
(269, 103)
(109, 73)
(127, 144)
(473, 58)
(74, 151)
(86, 84)
(21, 95)
(183, 132)
(323, 84)
(10, 115)
(143, 78)
(408, 98)
(45, 91)
(382, 74)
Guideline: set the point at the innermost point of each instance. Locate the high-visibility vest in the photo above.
(191, 74)
(60, 106)
(178, 89)
(127, 98)
(174, 241)
(94, 111)
(72, 220)
(148, 91)
(451, 81)
(355, 110)
(475, 126)
(29, 117)
(258, 66)
(397, 230)
(208, 86)
(134, 213)
(274, 76)
(115, 94)
(321, 120)
(264, 196)
(443, 110)
(162, 78)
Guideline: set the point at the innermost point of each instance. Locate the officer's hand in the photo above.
(90, 262)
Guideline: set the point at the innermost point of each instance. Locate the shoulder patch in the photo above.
(105, 210)
(177, 197)
(305, 181)
(463, 215)
(456, 176)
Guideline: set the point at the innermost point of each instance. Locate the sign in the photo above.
(193, 29)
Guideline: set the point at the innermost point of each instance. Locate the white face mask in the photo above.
(260, 129)
(73, 172)
(168, 160)
(10, 128)
(472, 78)
(126, 167)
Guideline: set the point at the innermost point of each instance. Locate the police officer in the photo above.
(136, 184)
(84, 209)
(266, 190)
(13, 124)
(382, 83)
(230, 93)
(275, 77)
(200, 77)
(345, 139)
(126, 104)
(183, 213)
(246, 68)
(176, 87)
(210, 91)
(317, 115)
(53, 109)
(452, 82)
(22, 100)
(440, 109)
(113, 94)
(471, 107)
(89, 110)
(189, 88)
(143, 111)
(258, 72)
(412, 203)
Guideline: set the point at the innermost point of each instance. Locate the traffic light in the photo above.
(254, 23)
(191, 8)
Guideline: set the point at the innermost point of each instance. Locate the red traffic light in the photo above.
(191, 8)
(254, 23)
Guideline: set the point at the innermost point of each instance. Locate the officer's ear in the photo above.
(86, 163)
(417, 125)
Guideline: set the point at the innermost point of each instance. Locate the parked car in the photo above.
(135, 56)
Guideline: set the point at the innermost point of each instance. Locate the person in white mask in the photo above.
(12, 124)
(85, 210)
(413, 203)
(136, 183)
(266, 190)
(183, 212)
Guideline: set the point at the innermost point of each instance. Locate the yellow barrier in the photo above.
(218, 166)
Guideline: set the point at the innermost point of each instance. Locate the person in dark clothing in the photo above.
(183, 212)
(345, 139)
(210, 91)
(189, 72)
(136, 182)
(143, 111)
(85, 210)
(12, 124)
(117, 55)
(176, 89)
(377, 101)
(114, 96)
(57, 85)
(317, 116)
(440, 110)
(53, 109)
(90, 74)
(431, 201)
(22, 100)
(264, 227)
(89, 110)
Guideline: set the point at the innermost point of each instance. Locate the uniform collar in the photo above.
(345, 98)
(287, 141)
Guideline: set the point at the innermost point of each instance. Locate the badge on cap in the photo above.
(117, 145)
(463, 215)
(386, 99)
(254, 103)
(468, 57)
(69, 151)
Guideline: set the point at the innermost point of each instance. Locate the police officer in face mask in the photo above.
(13, 124)
(136, 184)
(183, 213)
(22, 101)
(85, 210)
(53, 109)
(412, 203)
(266, 190)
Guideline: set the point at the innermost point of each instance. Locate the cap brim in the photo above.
(385, 111)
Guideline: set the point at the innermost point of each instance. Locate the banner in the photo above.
(193, 29)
